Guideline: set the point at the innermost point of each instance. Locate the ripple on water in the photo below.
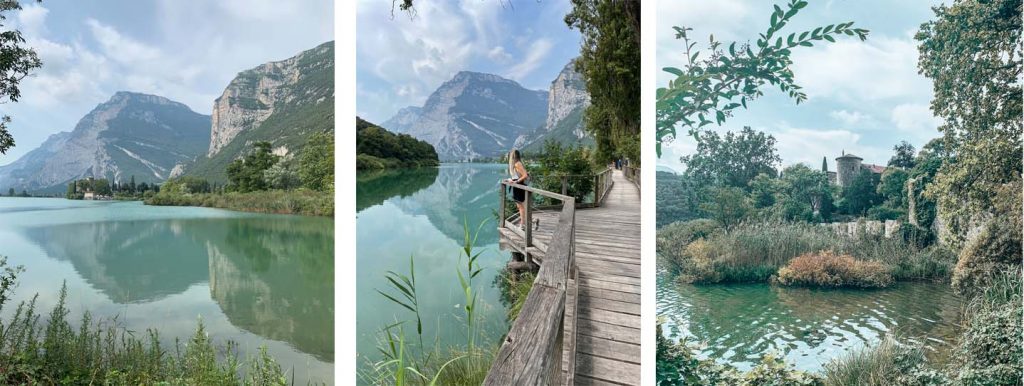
(740, 322)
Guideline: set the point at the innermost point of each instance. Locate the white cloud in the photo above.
(881, 68)
(118, 47)
(32, 19)
(849, 118)
(499, 55)
(915, 118)
(536, 53)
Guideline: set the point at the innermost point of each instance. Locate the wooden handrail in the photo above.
(531, 353)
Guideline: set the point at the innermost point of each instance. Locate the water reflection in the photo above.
(270, 275)
(742, 322)
(373, 187)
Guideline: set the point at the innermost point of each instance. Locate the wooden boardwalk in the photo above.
(607, 310)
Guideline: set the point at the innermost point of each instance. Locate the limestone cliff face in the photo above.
(129, 135)
(255, 94)
(568, 93)
(567, 99)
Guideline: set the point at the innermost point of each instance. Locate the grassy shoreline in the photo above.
(299, 202)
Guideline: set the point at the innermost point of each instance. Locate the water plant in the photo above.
(34, 351)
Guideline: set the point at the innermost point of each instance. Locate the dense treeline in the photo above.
(610, 64)
(102, 188)
(262, 181)
(377, 148)
(734, 178)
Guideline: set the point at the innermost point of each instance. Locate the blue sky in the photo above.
(401, 60)
(863, 97)
(185, 51)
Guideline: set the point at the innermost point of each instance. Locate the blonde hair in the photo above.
(513, 157)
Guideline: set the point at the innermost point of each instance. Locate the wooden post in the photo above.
(501, 207)
(564, 185)
(597, 190)
(527, 222)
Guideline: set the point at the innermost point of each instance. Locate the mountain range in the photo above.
(152, 138)
(477, 115)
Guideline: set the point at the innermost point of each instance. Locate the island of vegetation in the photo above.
(377, 148)
(731, 217)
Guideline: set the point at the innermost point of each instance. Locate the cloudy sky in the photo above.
(863, 97)
(401, 60)
(185, 51)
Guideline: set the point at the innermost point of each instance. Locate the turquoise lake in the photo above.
(258, 280)
(421, 213)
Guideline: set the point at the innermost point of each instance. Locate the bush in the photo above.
(827, 269)
(889, 363)
(302, 201)
(672, 240)
(989, 349)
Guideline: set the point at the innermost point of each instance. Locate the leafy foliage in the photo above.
(16, 62)
(972, 53)
(572, 162)
(707, 91)
(610, 63)
(732, 160)
(316, 166)
(247, 174)
(377, 148)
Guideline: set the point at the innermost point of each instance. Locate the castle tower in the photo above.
(847, 167)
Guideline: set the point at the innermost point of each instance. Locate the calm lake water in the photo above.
(740, 322)
(421, 213)
(254, 279)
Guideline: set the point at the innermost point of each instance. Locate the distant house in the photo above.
(89, 196)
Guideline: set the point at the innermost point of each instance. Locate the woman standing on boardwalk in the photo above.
(519, 176)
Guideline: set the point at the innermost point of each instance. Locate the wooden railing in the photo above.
(531, 353)
(633, 174)
(567, 184)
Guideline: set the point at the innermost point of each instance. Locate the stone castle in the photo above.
(848, 166)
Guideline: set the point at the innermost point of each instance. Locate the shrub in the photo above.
(989, 349)
(673, 239)
(888, 363)
(828, 269)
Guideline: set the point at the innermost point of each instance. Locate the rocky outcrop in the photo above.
(131, 134)
(403, 120)
(567, 99)
(255, 94)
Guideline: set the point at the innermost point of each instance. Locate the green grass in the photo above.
(301, 201)
(888, 363)
(45, 350)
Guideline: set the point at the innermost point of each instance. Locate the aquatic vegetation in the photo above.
(105, 352)
(422, 364)
(989, 350)
(696, 252)
(888, 363)
(678, 364)
(828, 269)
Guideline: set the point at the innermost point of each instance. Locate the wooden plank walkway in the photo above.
(608, 259)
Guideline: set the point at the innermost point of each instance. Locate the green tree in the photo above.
(733, 159)
(728, 206)
(805, 191)
(246, 174)
(16, 62)
(10, 192)
(861, 194)
(904, 157)
(101, 187)
(972, 53)
(71, 193)
(764, 190)
(571, 161)
(707, 91)
(610, 64)
(892, 188)
(677, 199)
(281, 176)
(316, 167)
(131, 185)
